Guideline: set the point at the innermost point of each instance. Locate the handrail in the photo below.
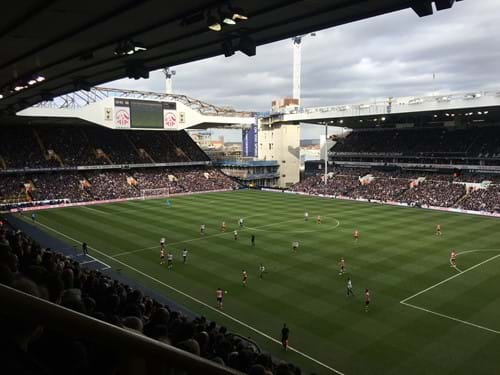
(126, 345)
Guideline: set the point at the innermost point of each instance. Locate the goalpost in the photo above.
(155, 193)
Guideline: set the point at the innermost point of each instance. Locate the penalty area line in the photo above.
(450, 318)
(405, 303)
(197, 301)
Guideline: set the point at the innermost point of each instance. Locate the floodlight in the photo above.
(238, 13)
(129, 47)
(227, 18)
(213, 23)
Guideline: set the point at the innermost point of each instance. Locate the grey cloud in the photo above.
(391, 55)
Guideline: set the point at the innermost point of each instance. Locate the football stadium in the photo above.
(132, 242)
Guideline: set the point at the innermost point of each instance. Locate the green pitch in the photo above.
(425, 317)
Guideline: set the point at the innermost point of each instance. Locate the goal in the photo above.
(155, 193)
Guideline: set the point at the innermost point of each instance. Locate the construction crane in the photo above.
(169, 73)
(297, 63)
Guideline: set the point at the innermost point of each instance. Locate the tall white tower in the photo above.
(297, 64)
(169, 73)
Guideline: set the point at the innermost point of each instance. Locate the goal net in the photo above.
(155, 193)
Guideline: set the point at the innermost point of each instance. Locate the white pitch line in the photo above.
(88, 261)
(451, 317)
(478, 250)
(450, 278)
(198, 301)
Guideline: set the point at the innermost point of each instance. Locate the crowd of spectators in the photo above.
(183, 179)
(382, 189)
(435, 189)
(44, 273)
(20, 149)
(434, 193)
(471, 141)
(70, 144)
(56, 146)
(53, 186)
(12, 187)
(158, 146)
(482, 200)
(110, 184)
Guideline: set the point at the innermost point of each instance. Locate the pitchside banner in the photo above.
(249, 140)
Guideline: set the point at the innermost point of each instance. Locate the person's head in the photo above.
(133, 323)
(366, 290)
(22, 331)
(189, 345)
(284, 325)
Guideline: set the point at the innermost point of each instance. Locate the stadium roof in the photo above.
(50, 48)
(459, 108)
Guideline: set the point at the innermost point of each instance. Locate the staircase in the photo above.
(178, 150)
(145, 155)
(48, 156)
(135, 147)
(28, 194)
(462, 198)
(100, 154)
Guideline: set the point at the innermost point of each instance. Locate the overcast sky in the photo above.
(391, 55)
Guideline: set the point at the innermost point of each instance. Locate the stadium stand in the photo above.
(54, 162)
(425, 145)
(19, 149)
(482, 200)
(58, 146)
(404, 165)
(108, 184)
(434, 189)
(54, 277)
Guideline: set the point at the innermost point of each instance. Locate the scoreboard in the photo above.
(145, 114)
